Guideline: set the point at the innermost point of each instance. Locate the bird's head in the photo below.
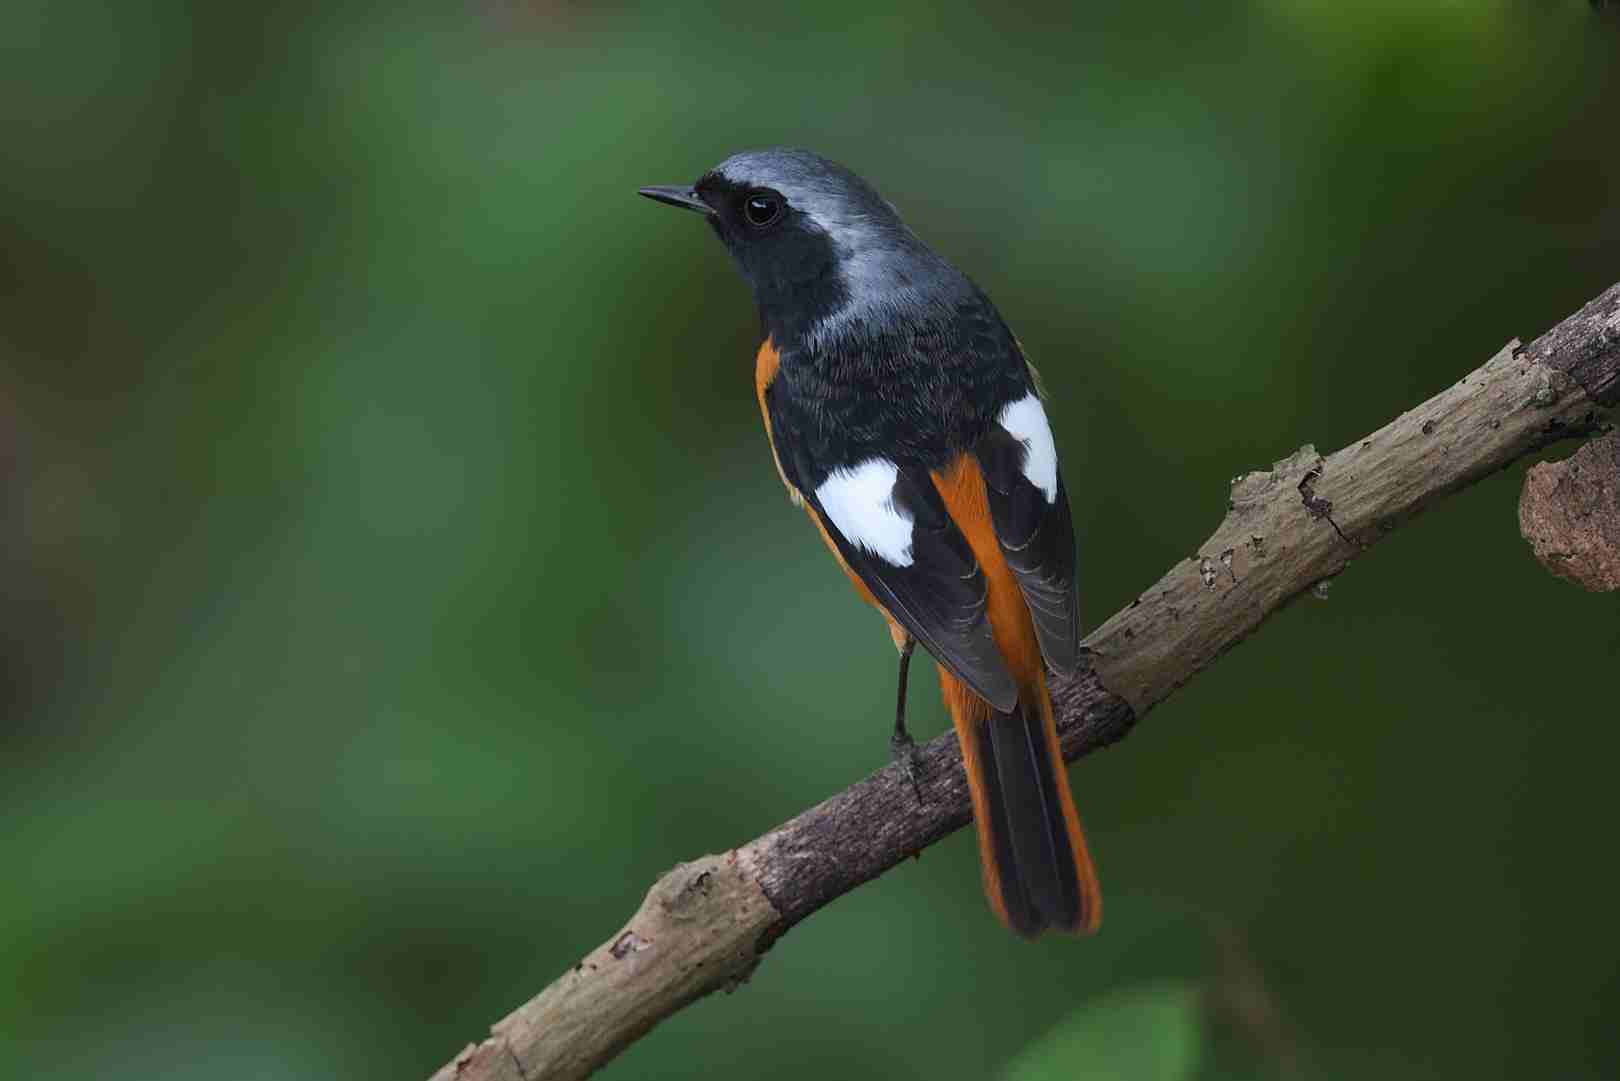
(816, 242)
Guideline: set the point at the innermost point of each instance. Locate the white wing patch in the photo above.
(1025, 420)
(860, 503)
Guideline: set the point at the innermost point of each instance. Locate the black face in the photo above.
(787, 258)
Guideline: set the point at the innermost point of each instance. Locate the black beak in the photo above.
(681, 197)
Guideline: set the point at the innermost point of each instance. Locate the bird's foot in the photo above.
(903, 753)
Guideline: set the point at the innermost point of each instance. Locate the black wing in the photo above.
(923, 571)
(1036, 532)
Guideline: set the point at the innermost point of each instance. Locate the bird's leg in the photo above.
(902, 748)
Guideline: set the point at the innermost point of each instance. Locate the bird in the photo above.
(905, 420)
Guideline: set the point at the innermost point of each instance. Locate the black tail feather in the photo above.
(1039, 882)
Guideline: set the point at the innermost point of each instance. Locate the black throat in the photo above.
(799, 290)
(796, 280)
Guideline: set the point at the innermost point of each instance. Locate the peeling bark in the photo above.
(1569, 511)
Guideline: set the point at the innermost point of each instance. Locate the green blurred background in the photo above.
(395, 579)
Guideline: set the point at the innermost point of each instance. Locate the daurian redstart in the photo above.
(906, 421)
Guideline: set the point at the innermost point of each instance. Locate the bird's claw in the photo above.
(903, 753)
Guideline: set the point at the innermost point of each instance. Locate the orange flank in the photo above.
(765, 366)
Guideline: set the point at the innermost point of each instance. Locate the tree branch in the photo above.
(705, 925)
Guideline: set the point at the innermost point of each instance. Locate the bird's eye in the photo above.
(762, 208)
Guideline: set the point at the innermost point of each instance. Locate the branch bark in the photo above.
(705, 925)
(1569, 511)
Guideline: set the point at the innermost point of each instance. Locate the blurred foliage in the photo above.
(395, 579)
(1145, 1034)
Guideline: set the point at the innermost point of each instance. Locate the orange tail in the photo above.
(1037, 872)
